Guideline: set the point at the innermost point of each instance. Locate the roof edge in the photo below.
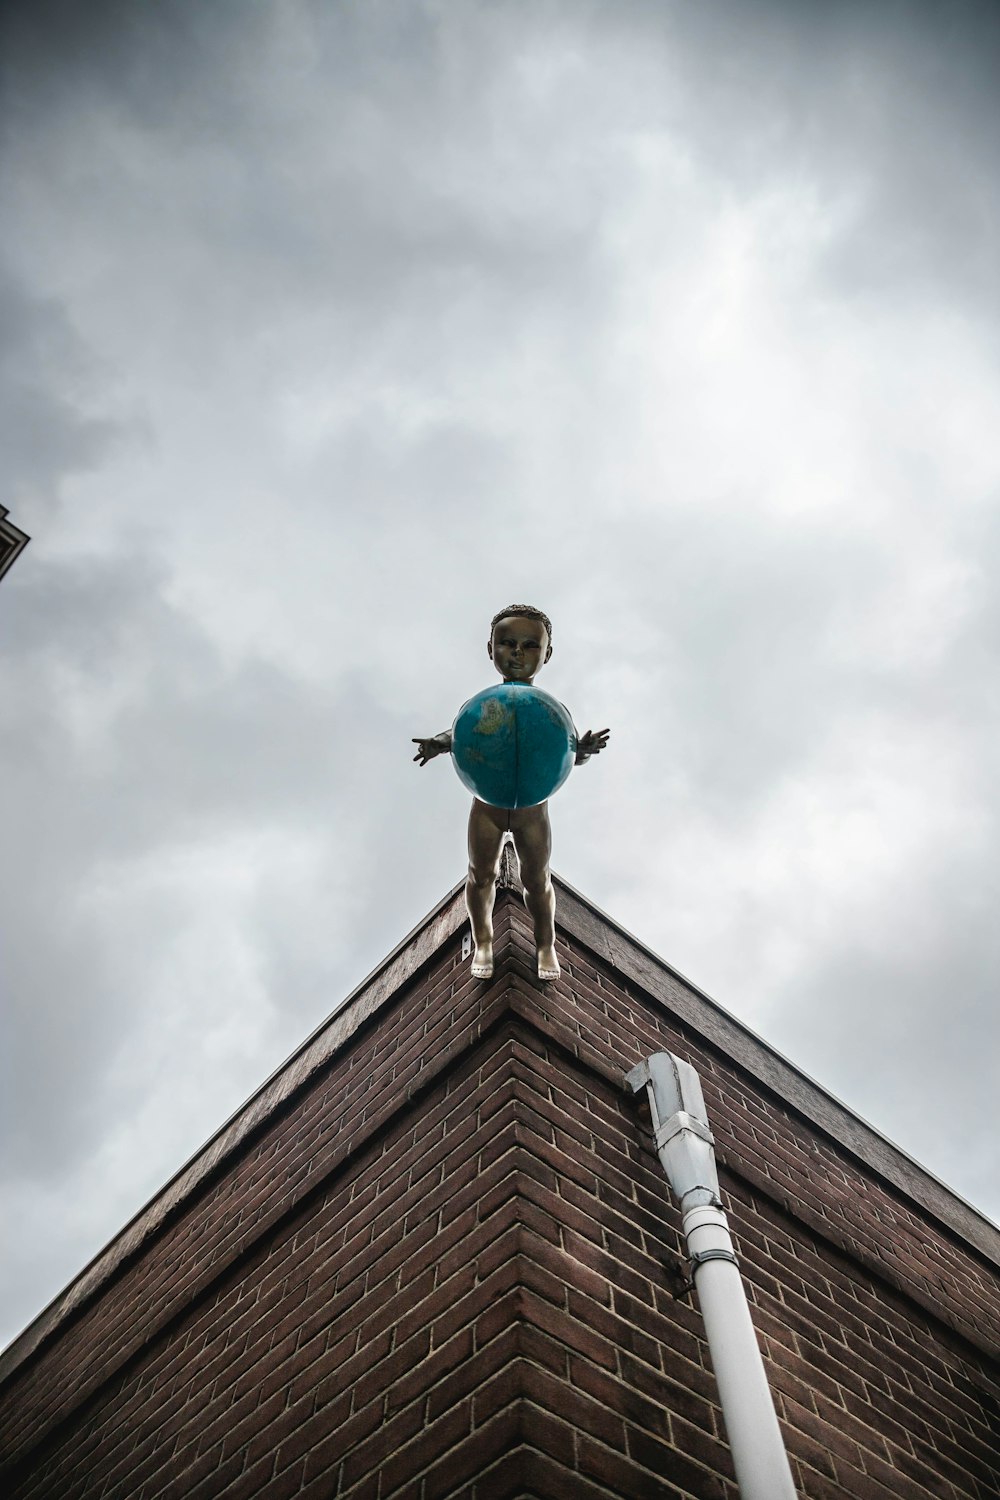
(396, 969)
(616, 946)
(12, 540)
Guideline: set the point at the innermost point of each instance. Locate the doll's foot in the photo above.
(548, 964)
(482, 962)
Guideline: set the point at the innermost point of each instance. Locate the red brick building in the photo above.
(435, 1256)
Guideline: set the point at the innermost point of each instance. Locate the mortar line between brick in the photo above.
(243, 1250)
(517, 1005)
(612, 946)
(878, 1269)
(398, 971)
(621, 953)
(445, 922)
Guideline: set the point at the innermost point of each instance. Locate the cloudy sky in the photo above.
(328, 329)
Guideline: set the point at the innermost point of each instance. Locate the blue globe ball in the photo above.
(513, 745)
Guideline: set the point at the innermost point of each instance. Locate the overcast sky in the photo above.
(328, 329)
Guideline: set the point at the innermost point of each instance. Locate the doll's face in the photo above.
(519, 647)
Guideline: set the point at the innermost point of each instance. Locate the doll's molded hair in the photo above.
(529, 611)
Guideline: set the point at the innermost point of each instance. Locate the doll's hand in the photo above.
(438, 744)
(591, 743)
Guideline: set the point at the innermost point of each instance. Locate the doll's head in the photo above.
(520, 642)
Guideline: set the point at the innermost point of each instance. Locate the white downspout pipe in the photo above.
(685, 1147)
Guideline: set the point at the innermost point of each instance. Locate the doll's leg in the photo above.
(487, 826)
(533, 842)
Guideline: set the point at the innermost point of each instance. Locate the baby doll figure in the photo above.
(520, 644)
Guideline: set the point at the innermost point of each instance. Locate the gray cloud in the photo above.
(333, 329)
(47, 427)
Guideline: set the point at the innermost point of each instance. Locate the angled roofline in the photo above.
(396, 969)
(615, 946)
(12, 541)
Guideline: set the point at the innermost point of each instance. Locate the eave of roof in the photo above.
(615, 946)
(12, 541)
(609, 941)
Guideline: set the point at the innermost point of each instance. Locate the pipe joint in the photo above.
(706, 1216)
(702, 1195)
(689, 1163)
(682, 1121)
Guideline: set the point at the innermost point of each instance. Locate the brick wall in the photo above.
(446, 1264)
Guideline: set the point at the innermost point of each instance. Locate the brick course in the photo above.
(442, 1261)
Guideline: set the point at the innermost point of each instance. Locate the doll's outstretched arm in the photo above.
(438, 744)
(591, 743)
